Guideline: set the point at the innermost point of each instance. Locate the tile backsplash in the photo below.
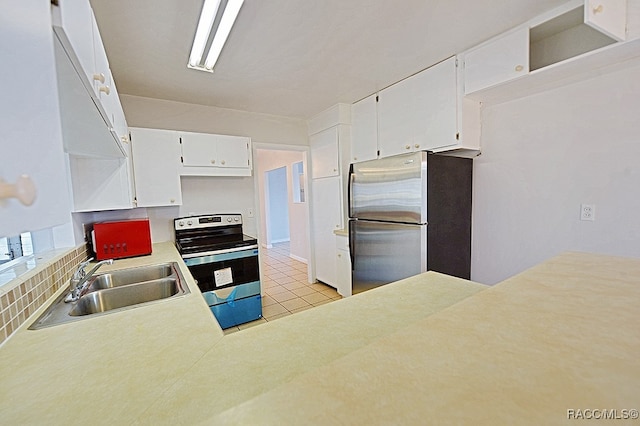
(22, 296)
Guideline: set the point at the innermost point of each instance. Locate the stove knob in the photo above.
(190, 223)
(181, 223)
(237, 219)
(229, 219)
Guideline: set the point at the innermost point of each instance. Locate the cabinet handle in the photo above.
(223, 162)
(99, 77)
(598, 9)
(23, 190)
(213, 161)
(172, 200)
(339, 255)
(519, 68)
(355, 158)
(407, 147)
(124, 139)
(417, 145)
(104, 89)
(335, 170)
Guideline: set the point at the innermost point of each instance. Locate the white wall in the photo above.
(544, 155)
(268, 159)
(204, 195)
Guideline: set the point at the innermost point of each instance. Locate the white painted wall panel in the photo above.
(544, 155)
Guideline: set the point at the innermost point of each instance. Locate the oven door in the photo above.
(224, 269)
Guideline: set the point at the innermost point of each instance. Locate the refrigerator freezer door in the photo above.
(383, 252)
(390, 189)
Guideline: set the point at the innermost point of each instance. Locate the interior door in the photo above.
(383, 252)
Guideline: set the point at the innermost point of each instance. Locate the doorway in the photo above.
(282, 204)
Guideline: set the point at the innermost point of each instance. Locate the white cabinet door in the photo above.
(30, 120)
(206, 154)
(343, 266)
(198, 150)
(76, 20)
(396, 117)
(156, 157)
(325, 153)
(503, 59)
(607, 16)
(100, 73)
(327, 217)
(437, 107)
(233, 151)
(364, 129)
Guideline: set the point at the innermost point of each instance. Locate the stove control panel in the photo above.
(207, 221)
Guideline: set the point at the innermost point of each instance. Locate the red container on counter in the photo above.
(120, 239)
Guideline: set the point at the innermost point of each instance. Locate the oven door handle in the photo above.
(222, 251)
(220, 257)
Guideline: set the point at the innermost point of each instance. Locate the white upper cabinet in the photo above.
(215, 155)
(33, 179)
(156, 159)
(364, 129)
(397, 116)
(501, 60)
(425, 113)
(438, 102)
(607, 16)
(325, 157)
(555, 48)
(76, 28)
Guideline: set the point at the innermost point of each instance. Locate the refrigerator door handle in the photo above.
(349, 191)
(352, 243)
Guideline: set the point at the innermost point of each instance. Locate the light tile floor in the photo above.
(285, 290)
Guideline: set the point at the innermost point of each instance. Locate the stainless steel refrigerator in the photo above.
(408, 214)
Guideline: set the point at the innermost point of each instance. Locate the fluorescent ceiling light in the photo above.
(210, 10)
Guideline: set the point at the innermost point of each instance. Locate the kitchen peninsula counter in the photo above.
(428, 349)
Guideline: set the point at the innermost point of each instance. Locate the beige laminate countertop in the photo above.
(170, 363)
(562, 336)
(430, 349)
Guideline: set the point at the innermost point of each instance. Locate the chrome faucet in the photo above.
(80, 279)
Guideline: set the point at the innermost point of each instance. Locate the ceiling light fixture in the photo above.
(208, 15)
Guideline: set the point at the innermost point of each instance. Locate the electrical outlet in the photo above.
(249, 212)
(587, 212)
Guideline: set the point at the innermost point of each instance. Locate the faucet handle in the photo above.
(80, 272)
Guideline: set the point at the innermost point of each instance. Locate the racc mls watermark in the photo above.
(602, 413)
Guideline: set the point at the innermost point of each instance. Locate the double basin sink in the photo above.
(116, 291)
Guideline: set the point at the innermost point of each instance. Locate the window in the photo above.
(15, 247)
(298, 182)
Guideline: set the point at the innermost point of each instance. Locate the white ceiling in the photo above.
(295, 58)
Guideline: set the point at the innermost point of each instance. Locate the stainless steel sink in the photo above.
(116, 291)
(128, 295)
(130, 276)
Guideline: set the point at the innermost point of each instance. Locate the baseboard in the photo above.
(284, 240)
(298, 258)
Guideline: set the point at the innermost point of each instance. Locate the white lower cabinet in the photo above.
(156, 162)
(327, 218)
(343, 263)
